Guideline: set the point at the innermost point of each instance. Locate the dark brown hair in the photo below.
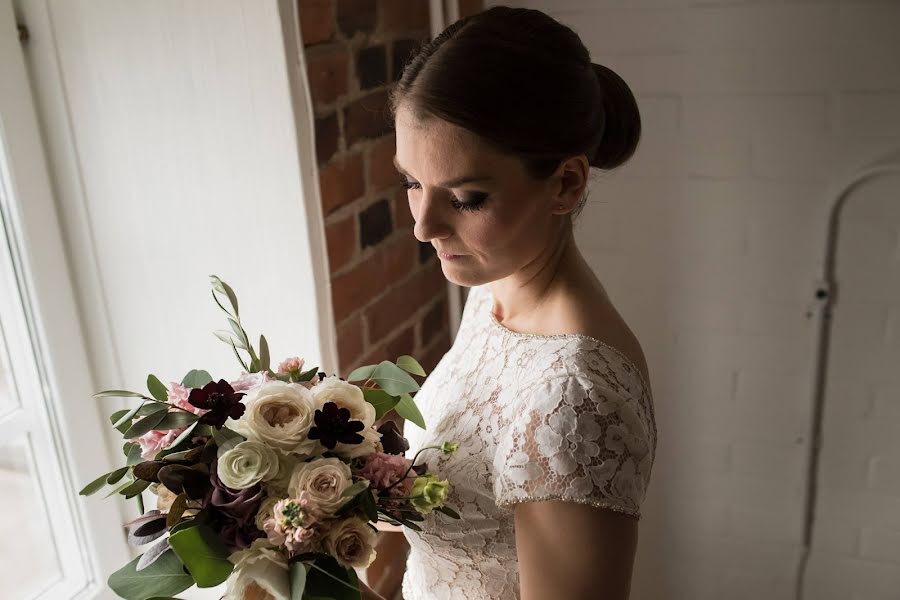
(525, 83)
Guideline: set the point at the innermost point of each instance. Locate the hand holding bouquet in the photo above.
(271, 481)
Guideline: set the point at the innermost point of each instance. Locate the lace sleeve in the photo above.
(576, 440)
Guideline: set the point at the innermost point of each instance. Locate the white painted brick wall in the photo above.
(709, 240)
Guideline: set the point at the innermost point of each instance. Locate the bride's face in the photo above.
(471, 201)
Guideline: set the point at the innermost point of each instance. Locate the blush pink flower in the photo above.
(294, 526)
(383, 470)
(290, 365)
(250, 381)
(178, 396)
(154, 441)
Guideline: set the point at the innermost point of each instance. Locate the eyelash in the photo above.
(456, 202)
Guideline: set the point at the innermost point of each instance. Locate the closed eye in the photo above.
(474, 202)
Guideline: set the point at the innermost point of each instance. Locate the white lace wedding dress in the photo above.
(536, 417)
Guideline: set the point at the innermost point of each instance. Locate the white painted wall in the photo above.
(709, 242)
(180, 140)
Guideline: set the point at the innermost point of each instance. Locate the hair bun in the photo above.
(622, 127)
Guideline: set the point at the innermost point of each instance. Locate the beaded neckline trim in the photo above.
(562, 336)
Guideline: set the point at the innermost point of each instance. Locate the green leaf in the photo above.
(407, 409)
(238, 356)
(307, 375)
(126, 418)
(410, 365)
(196, 378)
(94, 486)
(121, 487)
(134, 455)
(148, 408)
(263, 353)
(232, 297)
(204, 555)
(126, 449)
(238, 331)
(327, 579)
(116, 475)
(183, 435)
(157, 389)
(146, 424)
(361, 373)
(226, 439)
(119, 394)
(355, 488)
(225, 336)
(381, 400)
(298, 580)
(393, 379)
(448, 511)
(176, 420)
(164, 578)
(114, 418)
(369, 506)
(135, 488)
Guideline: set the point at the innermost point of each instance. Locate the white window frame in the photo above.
(52, 371)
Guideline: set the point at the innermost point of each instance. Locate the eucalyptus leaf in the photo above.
(226, 337)
(381, 400)
(119, 394)
(157, 389)
(183, 435)
(232, 297)
(165, 577)
(204, 555)
(392, 379)
(125, 419)
(448, 511)
(135, 488)
(135, 455)
(407, 409)
(148, 408)
(179, 505)
(238, 331)
(152, 554)
(95, 486)
(238, 356)
(116, 416)
(226, 439)
(121, 487)
(176, 420)
(361, 373)
(116, 475)
(263, 353)
(146, 424)
(410, 365)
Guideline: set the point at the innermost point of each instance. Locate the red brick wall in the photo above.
(388, 291)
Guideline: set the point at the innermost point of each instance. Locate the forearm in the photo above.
(385, 574)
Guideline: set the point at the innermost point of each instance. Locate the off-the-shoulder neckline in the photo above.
(558, 336)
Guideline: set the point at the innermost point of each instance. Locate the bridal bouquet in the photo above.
(270, 481)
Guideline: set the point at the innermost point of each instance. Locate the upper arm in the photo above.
(575, 466)
(574, 551)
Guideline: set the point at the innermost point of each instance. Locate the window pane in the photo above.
(28, 557)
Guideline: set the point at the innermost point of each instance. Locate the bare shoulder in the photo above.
(595, 315)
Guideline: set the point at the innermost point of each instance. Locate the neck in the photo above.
(557, 268)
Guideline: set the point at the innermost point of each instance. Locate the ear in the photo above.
(571, 179)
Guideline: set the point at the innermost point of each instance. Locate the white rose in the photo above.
(259, 566)
(247, 464)
(280, 415)
(345, 395)
(324, 480)
(352, 543)
(371, 443)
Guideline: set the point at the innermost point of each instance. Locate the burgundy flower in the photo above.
(333, 425)
(240, 505)
(220, 400)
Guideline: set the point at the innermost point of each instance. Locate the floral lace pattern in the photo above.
(536, 417)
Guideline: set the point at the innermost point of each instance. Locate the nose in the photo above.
(428, 212)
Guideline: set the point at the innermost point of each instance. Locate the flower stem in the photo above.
(411, 464)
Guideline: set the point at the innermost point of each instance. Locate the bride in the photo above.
(498, 121)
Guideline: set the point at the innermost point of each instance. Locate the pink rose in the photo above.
(385, 469)
(290, 365)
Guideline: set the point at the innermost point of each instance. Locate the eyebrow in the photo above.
(453, 182)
